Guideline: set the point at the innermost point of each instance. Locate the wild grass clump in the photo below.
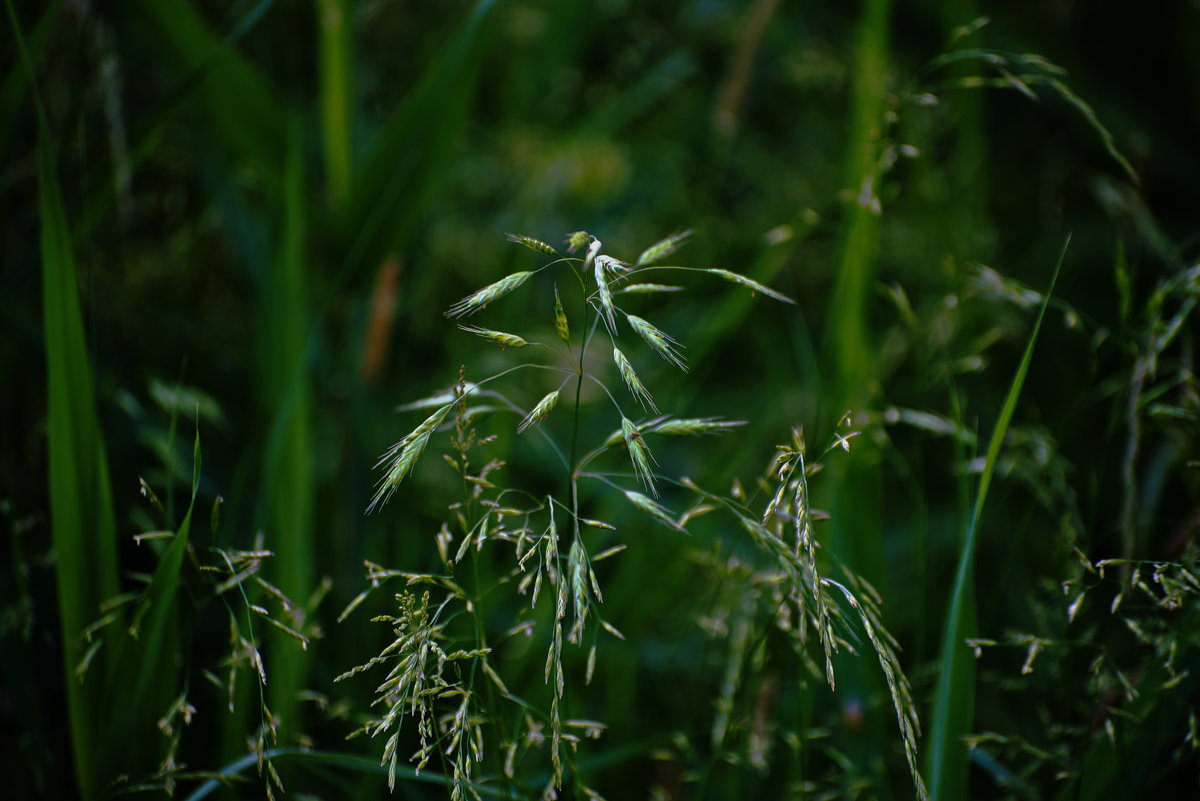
(446, 667)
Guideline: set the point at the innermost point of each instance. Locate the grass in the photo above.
(610, 540)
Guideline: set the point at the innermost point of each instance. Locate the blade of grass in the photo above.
(855, 534)
(287, 483)
(336, 92)
(954, 696)
(82, 521)
(144, 676)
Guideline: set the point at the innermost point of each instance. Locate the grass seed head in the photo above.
(660, 250)
(750, 284)
(630, 377)
(661, 343)
(532, 244)
(477, 300)
(502, 339)
(693, 426)
(647, 289)
(604, 294)
(656, 510)
(577, 240)
(560, 319)
(401, 457)
(540, 412)
(639, 454)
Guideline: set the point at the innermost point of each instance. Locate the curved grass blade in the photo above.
(954, 696)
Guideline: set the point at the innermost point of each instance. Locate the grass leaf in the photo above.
(954, 696)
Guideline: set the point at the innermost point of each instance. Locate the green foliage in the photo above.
(246, 217)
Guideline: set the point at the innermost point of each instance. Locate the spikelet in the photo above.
(693, 426)
(532, 244)
(477, 300)
(656, 510)
(639, 454)
(540, 412)
(560, 319)
(577, 240)
(647, 289)
(660, 250)
(662, 344)
(605, 297)
(749, 283)
(401, 457)
(630, 377)
(502, 339)
(611, 265)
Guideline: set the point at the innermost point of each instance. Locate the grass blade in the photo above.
(954, 696)
(336, 88)
(288, 485)
(82, 522)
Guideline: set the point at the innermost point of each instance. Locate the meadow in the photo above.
(588, 400)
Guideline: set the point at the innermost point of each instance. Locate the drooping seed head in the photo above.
(605, 297)
(540, 412)
(639, 454)
(632, 381)
(662, 344)
(401, 457)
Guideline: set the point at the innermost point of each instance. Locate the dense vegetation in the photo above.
(919, 516)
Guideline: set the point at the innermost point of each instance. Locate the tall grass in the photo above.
(239, 224)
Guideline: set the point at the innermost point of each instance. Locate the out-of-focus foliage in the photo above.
(266, 207)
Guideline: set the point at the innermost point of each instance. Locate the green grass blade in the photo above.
(954, 695)
(856, 529)
(336, 93)
(145, 675)
(288, 485)
(82, 522)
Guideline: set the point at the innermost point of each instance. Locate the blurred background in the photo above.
(259, 211)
